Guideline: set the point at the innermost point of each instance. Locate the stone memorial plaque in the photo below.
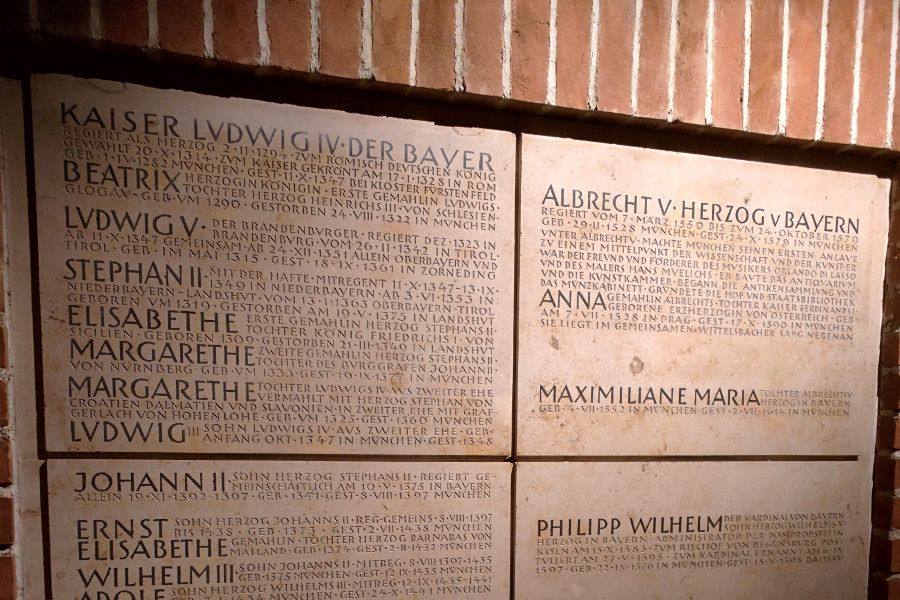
(274, 530)
(674, 304)
(679, 530)
(226, 275)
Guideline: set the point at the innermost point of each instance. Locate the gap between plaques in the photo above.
(697, 458)
(245, 456)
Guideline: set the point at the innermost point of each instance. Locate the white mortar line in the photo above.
(551, 54)
(857, 62)
(366, 64)
(745, 97)
(315, 18)
(785, 43)
(152, 24)
(96, 20)
(413, 40)
(208, 47)
(262, 26)
(823, 71)
(636, 54)
(459, 47)
(710, 50)
(892, 82)
(34, 14)
(673, 51)
(592, 56)
(507, 48)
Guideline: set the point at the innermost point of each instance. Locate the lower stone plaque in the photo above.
(692, 530)
(142, 530)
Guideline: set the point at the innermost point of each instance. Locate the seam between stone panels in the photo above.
(592, 55)
(365, 41)
(636, 54)
(823, 71)
(314, 36)
(506, 71)
(208, 44)
(459, 46)
(262, 25)
(152, 24)
(673, 50)
(785, 44)
(745, 96)
(857, 60)
(551, 54)
(892, 78)
(710, 49)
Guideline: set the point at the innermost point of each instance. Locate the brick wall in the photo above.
(7, 513)
(807, 70)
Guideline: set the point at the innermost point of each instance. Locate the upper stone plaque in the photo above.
(674, 304)
(225, 275)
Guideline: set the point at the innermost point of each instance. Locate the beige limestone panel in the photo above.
(228, 275)
(701, 530)
(675, 304)
(238, 530)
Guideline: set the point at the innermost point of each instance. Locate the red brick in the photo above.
(4, 351)
(15, 18)
(653, 74)
(7, 578)
(125, 21)
(5, 462)
(889, 391)
(614, 57)
(803, 68)
(765, 67)
(839, 71)
(435, 60)
(690, 62)
(893, 588)
(340, 26)
(888, 437)
(391, 25)
(890, 349)
(530, 49)
(728, 65)
(181, 26)
(236, 31)
(874, 74)
(484, 47)
(66, 18)
(885, 511)
(288, 23)
(573, 52)
(892, 304)
(7, 522)
(4, 403)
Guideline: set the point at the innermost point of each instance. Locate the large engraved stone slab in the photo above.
(672, 304)
(267, 530)
(742, 530)
(224, 275)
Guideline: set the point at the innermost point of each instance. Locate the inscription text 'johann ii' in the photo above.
(221, 275)
(275, 530)
(680, 304)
